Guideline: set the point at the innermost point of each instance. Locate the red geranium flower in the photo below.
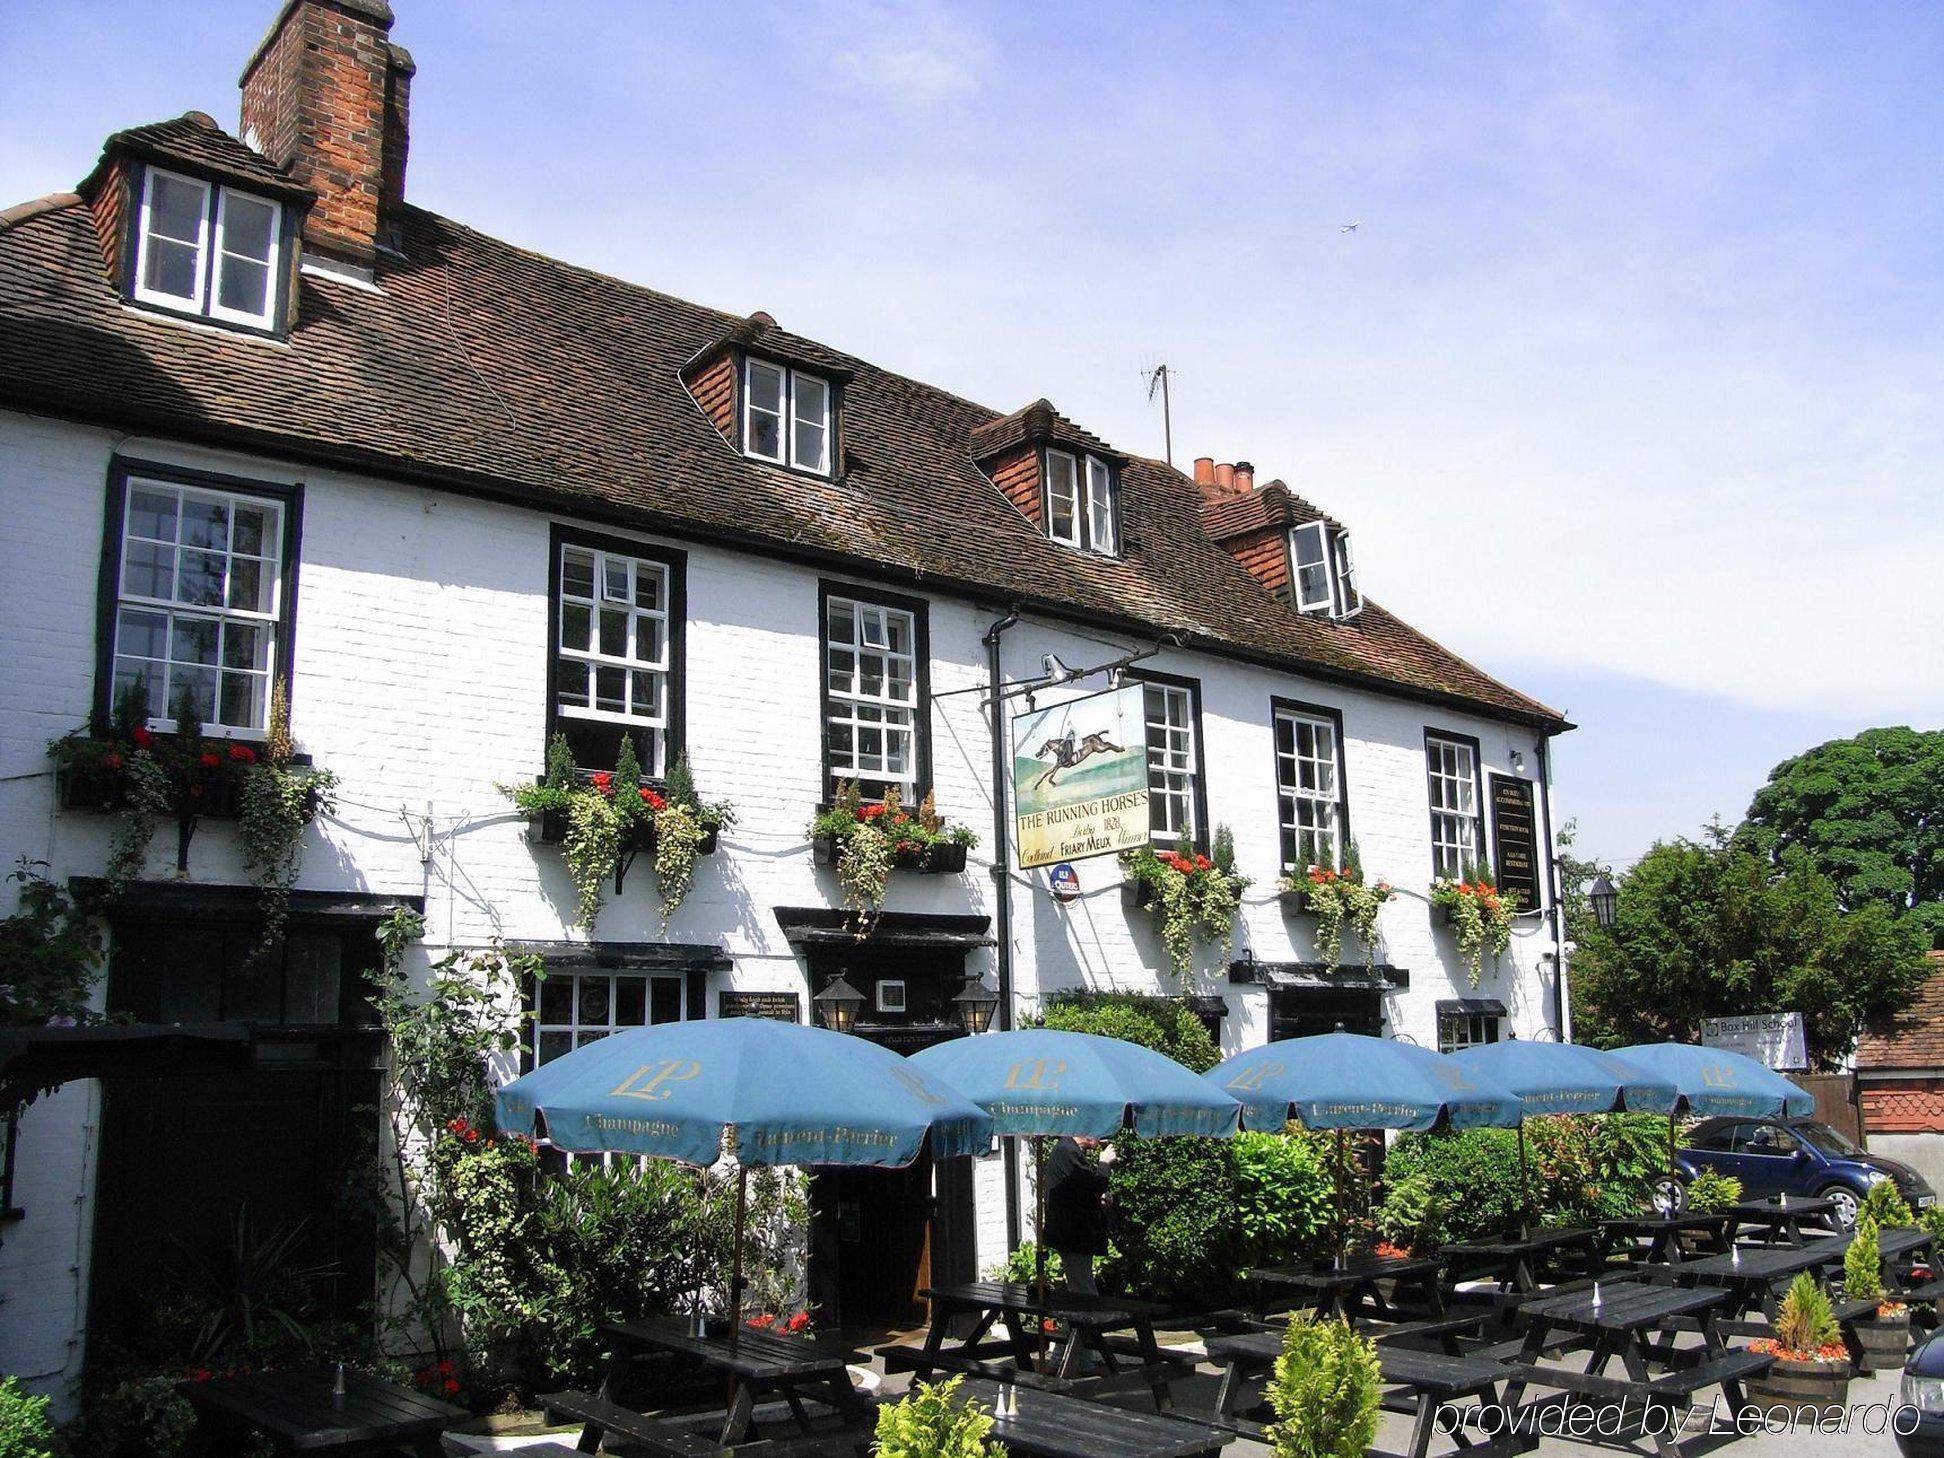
(763, 1322)
(870, 812)
(211, 759)
(242, 754)
(798, 1322)
(652, 800)
(143, 739)
(603, 782)
(111, 760)
(452, 1384)
(444, 1369)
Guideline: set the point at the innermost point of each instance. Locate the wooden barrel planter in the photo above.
(1806, 1391)
(1882, 1342)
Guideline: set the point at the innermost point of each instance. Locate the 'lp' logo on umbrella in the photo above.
(1249, 1080)
(1044, 1075)
(651, 1079)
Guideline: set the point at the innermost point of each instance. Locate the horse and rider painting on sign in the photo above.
(1080, 778)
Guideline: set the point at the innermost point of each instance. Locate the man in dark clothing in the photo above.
(1076, 1208)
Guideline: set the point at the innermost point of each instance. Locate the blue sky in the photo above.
(1629, 381)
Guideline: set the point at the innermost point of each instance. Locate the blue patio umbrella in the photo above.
(1565, 1078)
(1351, 1081)
(788, 1094)
(1716, 1081)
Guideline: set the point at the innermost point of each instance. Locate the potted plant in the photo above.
(1336, 897)
(1324, 1391)
(1885, 1204)
(1192, 897)
(865, 842)
(1882, 1338)
(929, 1422)
(1711, 1192)
(1810, 1378)
(603, 819)
(184, 775)
(1479, 914)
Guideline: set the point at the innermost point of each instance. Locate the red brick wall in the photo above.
(715, 391)
(1018, 476)
(321, 98)
(1904, 1106)
(112, 202)
(1266, 554)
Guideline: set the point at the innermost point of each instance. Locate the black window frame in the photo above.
(1278, 704)
(1481, 852)
(1203, 831)
(1083, 514)
(562, 535)
(790, 369)
(290, 499)
(693, 996)
(289, 241)
(920, 610)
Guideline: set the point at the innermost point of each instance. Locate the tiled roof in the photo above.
(1271, 505)
(194, 140)
(1036, 422)
(1916, 1038)
(489, 368)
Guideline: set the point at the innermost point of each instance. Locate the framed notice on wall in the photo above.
(1516, 850)
(783, 1006)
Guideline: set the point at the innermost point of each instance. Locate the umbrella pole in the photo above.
(1671, 1176)
(1342, 1175)
(1039, 1236)
(1525, 1182)
(736, 1257)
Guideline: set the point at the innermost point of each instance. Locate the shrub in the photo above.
(140, 1417)
(1805, 1327)
(1863, 1263)
(1711, 1191)
(927, 1423)
(25, 1431)
(1324, 1391)
(1411, 1215)
(1475, 1173)
(1165, 1024)
(1283, 1201)
(1884, 1203)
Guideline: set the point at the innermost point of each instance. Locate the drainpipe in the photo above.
(1560, 1009)
(1002, 892)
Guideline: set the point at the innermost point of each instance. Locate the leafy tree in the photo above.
(1869, 812)
(1713, 930)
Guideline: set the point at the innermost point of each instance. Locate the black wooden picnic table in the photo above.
(1750, 1274)
(1053, 1425)
(1780, 1218)
(1513, 1260)
(1899, 1244)
(1347, 1287)
(1417, 1382)
(1634, 1323)
(1663, 1234)
(300, 1411)
(1089, 1321)
(756, 1365)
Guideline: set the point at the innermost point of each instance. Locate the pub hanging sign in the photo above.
(1515, 839)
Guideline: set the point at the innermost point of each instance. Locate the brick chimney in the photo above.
(327, 94)
(1244, 476)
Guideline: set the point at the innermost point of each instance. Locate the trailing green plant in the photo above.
(1884, 1203)
(1324, 1391)
(1806, 1329)
(50, 950)
(279, 799)
(1192, 898)
(26, 1431)
(610, 812)
(1481, 917)
(870, 839)
(1339, 897)
(1711, 1192)
(931, 1421)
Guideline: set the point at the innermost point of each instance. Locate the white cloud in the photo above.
(913, 54)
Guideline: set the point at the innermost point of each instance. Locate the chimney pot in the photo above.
(1204, 470)
(1244, 476)
(1225, 476)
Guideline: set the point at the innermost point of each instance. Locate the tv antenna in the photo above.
(1157, 379)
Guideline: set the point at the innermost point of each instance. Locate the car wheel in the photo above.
(1670, 1195)
(1846, 1203)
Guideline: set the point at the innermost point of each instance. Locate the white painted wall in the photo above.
(420, 661)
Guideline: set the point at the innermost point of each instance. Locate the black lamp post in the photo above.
(975, 1004)
(1605, 899)
(837, 1005)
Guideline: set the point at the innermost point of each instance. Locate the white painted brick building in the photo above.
(418, 619)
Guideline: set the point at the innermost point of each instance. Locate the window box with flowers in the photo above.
(1479, 915)
(1337, 898)
(147, 777)
(603, 819)
(1193, 898)
(866, 842)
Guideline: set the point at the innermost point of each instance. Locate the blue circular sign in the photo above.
(1065, 882)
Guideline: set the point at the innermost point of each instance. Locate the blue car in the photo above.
(1796, 1157)
(1923, 1390)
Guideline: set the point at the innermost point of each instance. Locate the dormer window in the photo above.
(202, 248)
(1323, 571)
(1080, 502)
(786, 416)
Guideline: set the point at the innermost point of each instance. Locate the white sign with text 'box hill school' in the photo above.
(1775, 1040)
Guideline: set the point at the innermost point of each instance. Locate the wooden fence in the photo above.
(1836, 1101)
